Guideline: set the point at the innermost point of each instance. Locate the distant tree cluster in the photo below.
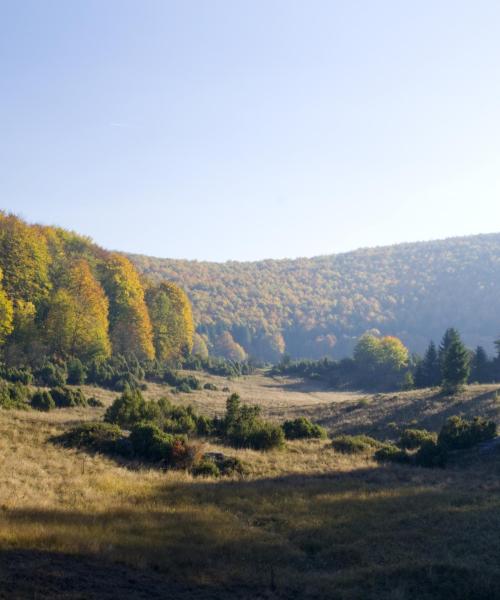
(385, 363)
(63, 297)
(311, 308)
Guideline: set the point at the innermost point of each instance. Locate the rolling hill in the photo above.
(312, 307)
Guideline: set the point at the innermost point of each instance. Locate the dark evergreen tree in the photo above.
(480, 366)
(428, 373)
(450, 336)
(455, 364)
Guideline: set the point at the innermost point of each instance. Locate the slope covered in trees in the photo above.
(63, 297)
(314, 307)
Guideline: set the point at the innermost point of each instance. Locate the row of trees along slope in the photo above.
(61, 295)
(310, 308)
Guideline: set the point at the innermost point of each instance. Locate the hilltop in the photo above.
(312, 307)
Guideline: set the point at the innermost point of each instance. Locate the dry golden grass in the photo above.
(305, 522)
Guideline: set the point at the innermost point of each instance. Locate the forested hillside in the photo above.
(312, 307)
(62, 297)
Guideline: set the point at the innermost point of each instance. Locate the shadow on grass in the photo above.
(378, 416)
(374, 533)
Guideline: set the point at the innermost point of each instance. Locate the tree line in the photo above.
(386, 363)
(62, 296)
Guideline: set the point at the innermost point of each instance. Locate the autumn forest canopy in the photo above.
(316, 307)
(62, 296)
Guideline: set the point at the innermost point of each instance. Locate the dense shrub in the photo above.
(219, 366)
(13, 395)
(42, 400)
(302, 428)
(180, 423)
(183, 383)
(95, 402)
(66, 397)
(224, 465)
(265, 436)
(211, 387)
(77, 373)
(458, 433)
(149, 442)
(243, 427)
(204, 425)
(354, 444)
(206, 468)
(52, 375)
(391, 453)
(17, 375)
(100, 437)
(431, 454)
(116, 373)
(184, 388)
(414, 438)
(128, 409)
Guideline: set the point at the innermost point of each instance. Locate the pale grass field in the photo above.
(305, 521)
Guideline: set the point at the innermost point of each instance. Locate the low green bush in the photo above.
(77, 373)
(42, 400)
(95, 402)
(243, 427)
(150, 443)
(127, 410)
(180, 424)
(265, 436)
(184, 388)
(301, 428)
(459, 433)
(206, 468)
(204, 425)
(414, 438)
(17, 375)
(391, 453)
(65, 397)
(99, 437)
(52, 375)
(354, 444)
(210, 386)
(431, 454)
(14, 395)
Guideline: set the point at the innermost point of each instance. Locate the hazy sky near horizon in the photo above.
(231, 129)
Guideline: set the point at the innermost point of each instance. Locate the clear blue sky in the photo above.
(236, 129)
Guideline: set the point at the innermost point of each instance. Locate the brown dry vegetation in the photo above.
(306, 521)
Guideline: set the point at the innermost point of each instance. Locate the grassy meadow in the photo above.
(305, 522)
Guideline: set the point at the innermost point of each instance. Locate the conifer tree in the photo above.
(455, 364)
(429, 371)
(480, 366)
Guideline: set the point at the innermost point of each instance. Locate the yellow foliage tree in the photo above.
(226, 347)
(6, 313)
(172, 319)
(77, 320)
(130, 324)
(24, 259)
